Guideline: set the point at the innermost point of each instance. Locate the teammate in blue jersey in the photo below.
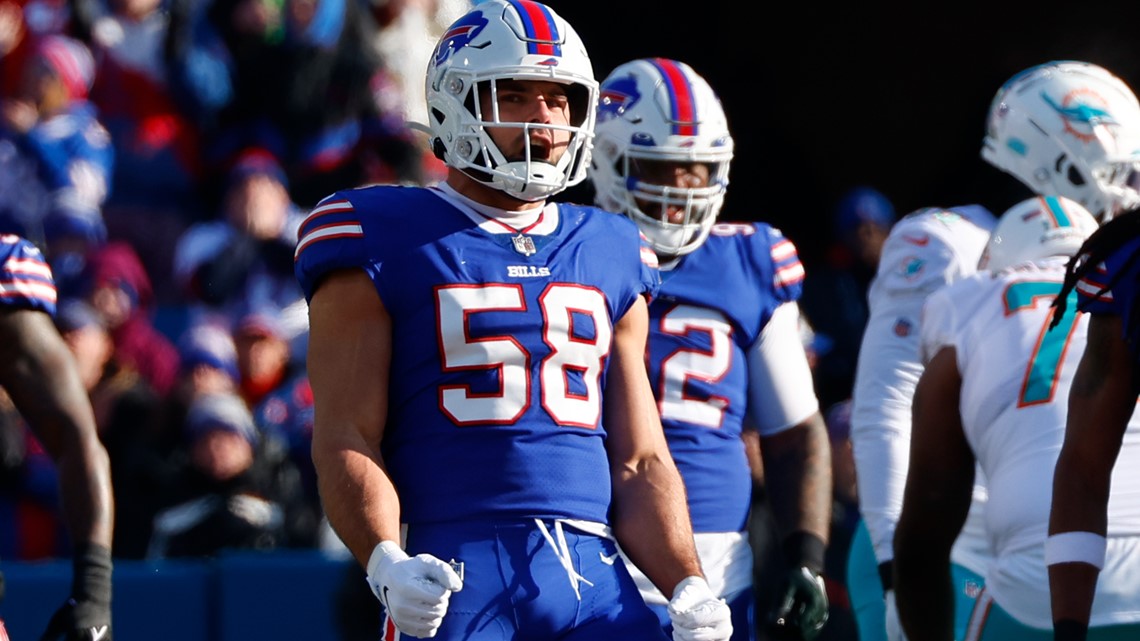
(484, 430)
(1105, 274)
(724, 348)
(39, 374)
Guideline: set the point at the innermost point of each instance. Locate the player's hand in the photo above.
(697, 614)
(86, 615)
(75, 621)
(413, 590)
(894, 625)
(802, 611)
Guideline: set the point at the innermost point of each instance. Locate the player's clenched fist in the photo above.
(697, 614)
(414, 590)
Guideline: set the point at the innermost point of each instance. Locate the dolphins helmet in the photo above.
(660, 110)
(508, 40)
(1036, 228)
(1070, 129)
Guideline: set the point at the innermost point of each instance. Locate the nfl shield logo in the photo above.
(902, 328)
(524, 245)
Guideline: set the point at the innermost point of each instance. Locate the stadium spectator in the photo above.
(314, 96)
(835, 297)
(244, 259)
(151, 110)
(54, 151)
(221, 498)
(117, 285)
(284, 417)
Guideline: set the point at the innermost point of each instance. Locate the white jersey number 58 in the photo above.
(561, 305)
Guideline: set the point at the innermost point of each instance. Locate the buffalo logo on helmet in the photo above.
(459, 35)
(616, 96)
(1081, 110)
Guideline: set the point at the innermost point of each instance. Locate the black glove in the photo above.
(86, 615)
(802, 611)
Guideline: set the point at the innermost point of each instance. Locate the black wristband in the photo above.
(804, 549)
(1069, 630)
(887, 575)
(91, 573)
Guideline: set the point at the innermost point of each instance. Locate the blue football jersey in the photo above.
(499, 354)
(1094, 294)
(25, 278)
(709, 311)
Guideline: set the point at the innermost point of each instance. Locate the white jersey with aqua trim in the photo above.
(924, 251)
(1016, 375)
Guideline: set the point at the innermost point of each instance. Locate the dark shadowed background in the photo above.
(821, 99)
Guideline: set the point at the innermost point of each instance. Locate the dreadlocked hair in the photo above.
(1103, 243)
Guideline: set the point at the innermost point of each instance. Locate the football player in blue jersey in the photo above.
(1105, 274)
(724, 347)
(484, 429)
(40, 376)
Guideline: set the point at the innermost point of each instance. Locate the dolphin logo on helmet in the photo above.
(1081, 113)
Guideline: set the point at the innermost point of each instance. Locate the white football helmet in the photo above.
(1069, 129)
(508, 40)
(656, 109)
(1035, 228)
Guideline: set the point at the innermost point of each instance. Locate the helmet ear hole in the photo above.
(1075, 176)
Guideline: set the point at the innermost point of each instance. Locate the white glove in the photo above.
(414, 591)
(894, 626)
(697, 614)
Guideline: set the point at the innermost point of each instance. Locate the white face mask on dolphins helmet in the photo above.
(1069, 129)
(657, 110)
(515, 40)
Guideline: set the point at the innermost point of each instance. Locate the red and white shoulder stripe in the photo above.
(789, 269)
(1091, 285)
(331, 218)
(27, 277)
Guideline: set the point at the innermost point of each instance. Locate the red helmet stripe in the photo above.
(684, 106)
(541, 30)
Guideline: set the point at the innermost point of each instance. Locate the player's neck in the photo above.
(476, 191)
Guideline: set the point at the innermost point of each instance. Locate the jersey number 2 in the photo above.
(683, 365)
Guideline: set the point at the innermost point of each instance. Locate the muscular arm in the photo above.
(650, 514)
(793, 443)
(350, 348)
(1101, 401)
(939, 486)
(41, 378)
(797, 468)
